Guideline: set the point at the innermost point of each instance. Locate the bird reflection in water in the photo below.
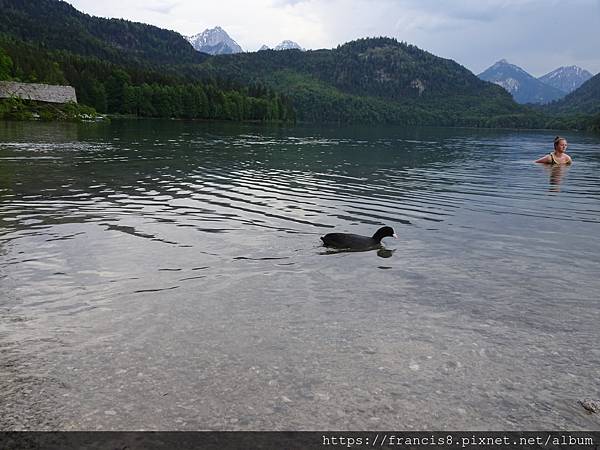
(385, 253)
(382, 252)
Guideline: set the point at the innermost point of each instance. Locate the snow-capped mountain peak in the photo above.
(503, 64)
(566, 78)
(523, 87)
(214, 41)
(287, 45)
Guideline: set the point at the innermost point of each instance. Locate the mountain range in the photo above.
(127, 67)
(372, 81)
(525, 88)
(216, 41)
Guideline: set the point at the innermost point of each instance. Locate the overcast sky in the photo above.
(538, 35)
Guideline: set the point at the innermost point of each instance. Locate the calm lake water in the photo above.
(169, 275)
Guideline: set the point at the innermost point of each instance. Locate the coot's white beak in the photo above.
(394, 236)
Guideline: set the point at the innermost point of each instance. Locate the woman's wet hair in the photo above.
(557, 139)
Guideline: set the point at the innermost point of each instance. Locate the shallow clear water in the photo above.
(169, 275)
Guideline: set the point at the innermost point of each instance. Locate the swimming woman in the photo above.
(558, 156)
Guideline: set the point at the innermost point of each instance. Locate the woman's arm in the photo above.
(545, 159)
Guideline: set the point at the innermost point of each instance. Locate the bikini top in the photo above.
(554, 161)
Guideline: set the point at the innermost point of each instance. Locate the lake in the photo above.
(164, 275)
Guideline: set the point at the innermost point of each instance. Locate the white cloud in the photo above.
(161, 7)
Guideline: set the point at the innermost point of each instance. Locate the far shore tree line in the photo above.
(115, 90)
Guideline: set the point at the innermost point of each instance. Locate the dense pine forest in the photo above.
(122, 67)
(115, 89)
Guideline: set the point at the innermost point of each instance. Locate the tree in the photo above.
(6, 65)
(115, 90)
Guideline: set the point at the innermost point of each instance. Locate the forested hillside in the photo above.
(580, 109)
(122, 67)
(376, 80)
(380, 67)
(585, 99)
(111, 88)
(56, 25)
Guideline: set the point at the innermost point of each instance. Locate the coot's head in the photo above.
(384, 232)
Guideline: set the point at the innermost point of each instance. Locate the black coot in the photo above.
(356, 241)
